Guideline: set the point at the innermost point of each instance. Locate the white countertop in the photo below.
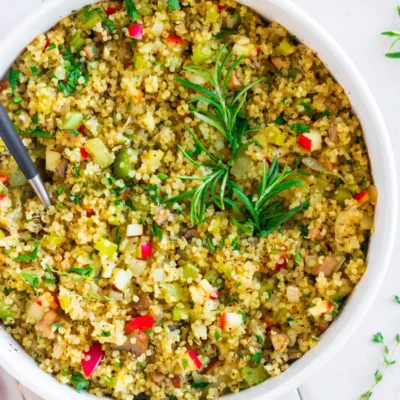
(356, 25)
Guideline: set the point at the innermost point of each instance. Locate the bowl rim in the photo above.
(46, 386)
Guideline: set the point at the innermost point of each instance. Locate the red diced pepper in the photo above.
(4, 179)
(2, 196)
(89, 211)
(92, 358)
(220, 7)
(175, 40)
(84, 154)
(47, 44)
(143, 323)
(282, 262)
(111, 10)
(125, 196)
(362, 197)
(195, 359)
(305, 142)
(82, 130)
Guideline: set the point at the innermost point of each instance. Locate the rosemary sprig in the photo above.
(225, 109)
(210, 184)
(265, 213)
(393, 34)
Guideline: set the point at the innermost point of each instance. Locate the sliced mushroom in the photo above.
(330, 265)
(158, 378)
(4, 85)
(177, 381)
(333, 134)
(143, 304)
(191, 234)
(47, 324)
(62, 168)
(281, 62)
(137, 342)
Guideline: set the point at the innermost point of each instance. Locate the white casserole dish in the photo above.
(23, 368)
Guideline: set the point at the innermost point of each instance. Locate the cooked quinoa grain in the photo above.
(121, 291)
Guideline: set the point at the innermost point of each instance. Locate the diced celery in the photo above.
(77, 42)
(190, 271)
(179, 313)
(215, 279)
(39, 152)
(53, 160)
(341, 195)
(17, 178)
(73, 120)
(140, 62)
(266, 289)
(4, 311)
(91, 18)
(202, 54)
(254, 376)
(212, 14)
(65, 301)
(293, 73)
(272, 134)
(173, 293)
(50, 240)
(99, 152)
(285, 48)
(105, 247)
(123, 164)
(240, 165)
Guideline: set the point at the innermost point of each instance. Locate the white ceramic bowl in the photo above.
(19, 364)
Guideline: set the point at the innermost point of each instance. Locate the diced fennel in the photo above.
(190, 271)
(99, 152)
(123, 164)
(254, 376)
(17, 178)
(4, 311)
(91, 18)
(180, 313)
(341, 195)
(215, 279)
(77, 42)
(53, 160)
(105, 247)
(73, 120)
(173, 293)
(240, 165)
(271, 134)
(285, 48)
(202, 53)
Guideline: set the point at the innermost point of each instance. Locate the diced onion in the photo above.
(134, 230)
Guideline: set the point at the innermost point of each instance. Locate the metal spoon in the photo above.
(21, 156)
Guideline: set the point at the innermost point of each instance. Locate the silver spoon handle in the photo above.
(40, 190)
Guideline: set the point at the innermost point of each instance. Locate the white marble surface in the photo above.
(356, 25)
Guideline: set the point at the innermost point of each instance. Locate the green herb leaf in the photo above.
(51, 46)
(32, 279)
(280, 120)
(79, 382)
(256, 358)
(200, 385)
(393, 55)
(185, 363)
(13, 77)
(37, 132)
(302, 128)
(131, 10)
(378, 338)
(326, 113)
(29, 256)
(174, 5)
(34, 70)
(82, 271)
(217, 335)
(105, 334)
(260, 339)
(156, 231)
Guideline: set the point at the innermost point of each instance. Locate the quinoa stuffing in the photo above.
(212, 200)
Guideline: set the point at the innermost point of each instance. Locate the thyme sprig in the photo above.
(225, 108)
(264, 211)
(388, 361)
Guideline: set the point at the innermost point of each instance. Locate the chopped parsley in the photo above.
(32, 279)
(280, 120)
(105, 334)
(82, 271)
(224, 32)
(29, 256)
(326, 113)
(174, 5)
(302, 128)
(13, 77)
(79, 382)
(131, 9)
(217, 335)
(36, 132)
(156, 231)
(297, 257)
(256, 358)
(185, 363)
(34, 70)
(260, 339)
(199, 385)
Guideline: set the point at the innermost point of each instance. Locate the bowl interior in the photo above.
(19, 364)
